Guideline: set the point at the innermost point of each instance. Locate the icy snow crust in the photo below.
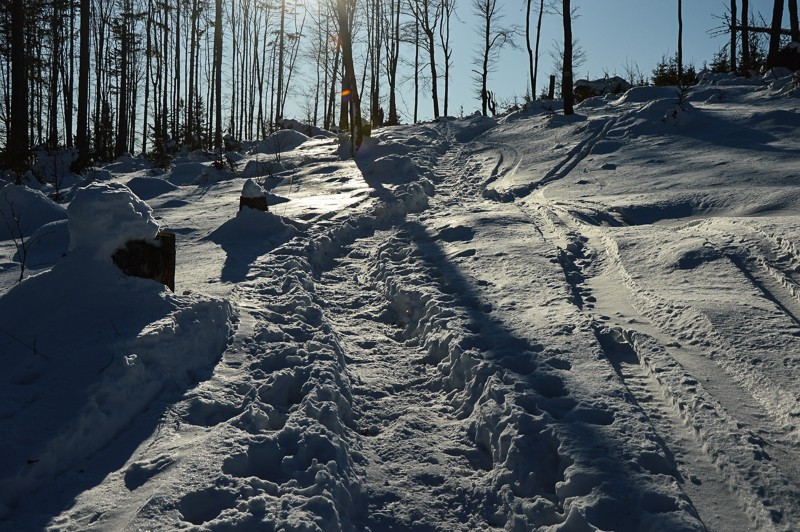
(533, 322)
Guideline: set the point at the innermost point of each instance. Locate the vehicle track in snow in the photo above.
(705, 458)
(594, 267)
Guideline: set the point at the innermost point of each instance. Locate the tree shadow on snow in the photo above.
(246, 237)
(557, 424)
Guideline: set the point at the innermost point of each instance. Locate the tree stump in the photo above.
(258, 203)
(150, 261)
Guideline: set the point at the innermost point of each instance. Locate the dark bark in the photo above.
(17, 146)
(775, 33)
(680, 42)
(746, 60)
(793, 22)
(121, 144)
(281, 52)
(566, 73)
(82, 133)
(733, 36)
(218, 77)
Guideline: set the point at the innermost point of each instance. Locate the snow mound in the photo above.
(256, 168)
(83, 367)
(281, 141)
(150, 187)
(188, 173)
(32, 208)
(103, 217)
(647, 94)
(392, 169)
(47, 245)
(251, 224)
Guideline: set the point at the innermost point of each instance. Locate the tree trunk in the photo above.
(538, 38)
(393, 56)
(793, 22)
(566, 72)
(416, 70)
(54, 67)
(532, 93)
(775, 33)
(17, 144)
(121, 144)
(82, 133)
(485, 64)
(746, 61)
(733, 36)
(147, 74)
(218, 77)
(349, 79)
(281, 51)
(680, 43)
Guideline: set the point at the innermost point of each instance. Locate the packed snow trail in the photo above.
(525, 323)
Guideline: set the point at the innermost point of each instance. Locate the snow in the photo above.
(251, 189)
(104, 217)
(529, 322)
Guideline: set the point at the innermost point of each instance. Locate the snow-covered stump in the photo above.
(109, 222)
(253, 196)
(149, 260)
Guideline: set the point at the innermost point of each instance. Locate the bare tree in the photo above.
(447, 8)
(494, 37)
(427, 14)
(392, 44)
(17, 144)
(775, 33)
(793, 21)
(566, 71)
(733, 36)
(746, 59)
(533, 53)
(82, 134)
(218, 79)
(680, 43)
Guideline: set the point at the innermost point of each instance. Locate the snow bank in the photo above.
(392, 169)
(82, 367)
(646, 94)
(150, 187)
(258, 168)
(30, 207)
(281, 141)
(103, 217)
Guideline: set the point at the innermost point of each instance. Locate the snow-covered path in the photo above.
(532, 322)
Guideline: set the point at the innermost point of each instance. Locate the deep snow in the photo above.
(514, 323)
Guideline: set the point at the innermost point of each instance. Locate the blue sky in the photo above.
(612, 32)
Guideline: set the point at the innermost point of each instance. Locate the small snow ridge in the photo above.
(32, 208)
(392, 168)
(281, 141)
(103, 217)
(150, 187)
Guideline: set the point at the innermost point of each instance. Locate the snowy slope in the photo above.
(529, 322)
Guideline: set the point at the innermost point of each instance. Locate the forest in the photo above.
(101, 78)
